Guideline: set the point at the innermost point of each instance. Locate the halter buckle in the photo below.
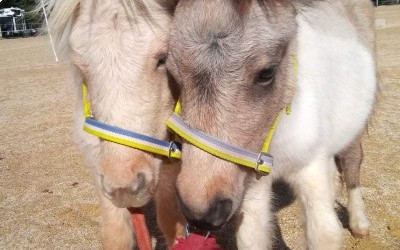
(171, 149)
(259, 162)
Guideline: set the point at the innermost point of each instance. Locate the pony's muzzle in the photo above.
(213, 219)
(136, 194)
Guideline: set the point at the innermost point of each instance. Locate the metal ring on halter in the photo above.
(187, 230)
(171, 148)
(260, 162)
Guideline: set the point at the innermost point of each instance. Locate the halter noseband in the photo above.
(261, 162)
(125, 137)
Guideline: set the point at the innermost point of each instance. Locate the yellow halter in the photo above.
(128, 138)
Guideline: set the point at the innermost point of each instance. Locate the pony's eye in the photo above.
(162, 59)
(266, 76)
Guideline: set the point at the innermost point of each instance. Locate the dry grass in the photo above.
(47, 199)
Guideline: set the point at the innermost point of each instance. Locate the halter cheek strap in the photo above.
(125, 137)
(261, 162)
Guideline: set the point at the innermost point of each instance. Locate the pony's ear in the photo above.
(170, 5)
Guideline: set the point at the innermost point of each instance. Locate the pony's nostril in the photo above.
(135, 193)
(187, 212)
(139, 183)
(215, 217)
(107, 187)
(219, 212)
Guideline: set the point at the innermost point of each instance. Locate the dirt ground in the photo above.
(47, 198)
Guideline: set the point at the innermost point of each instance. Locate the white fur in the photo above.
(315, 189)
(335, 91)
(335, 96)
(256, 218)
(359, 223)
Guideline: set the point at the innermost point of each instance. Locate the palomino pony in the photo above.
(238, 65)
(118, 49)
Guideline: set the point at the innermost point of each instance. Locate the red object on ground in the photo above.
(139, 225)
(197, 242)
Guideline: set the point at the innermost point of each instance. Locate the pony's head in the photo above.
(118, 48)
(231, 61)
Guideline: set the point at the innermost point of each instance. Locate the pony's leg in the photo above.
(117, 229)
(255, 225)
(316, 190)
(170, 220)
(350, 163)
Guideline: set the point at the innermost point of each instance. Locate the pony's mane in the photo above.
(61, 14)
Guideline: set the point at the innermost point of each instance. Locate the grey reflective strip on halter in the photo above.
(261, 162)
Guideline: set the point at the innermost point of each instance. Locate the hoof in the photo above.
(360, 233)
